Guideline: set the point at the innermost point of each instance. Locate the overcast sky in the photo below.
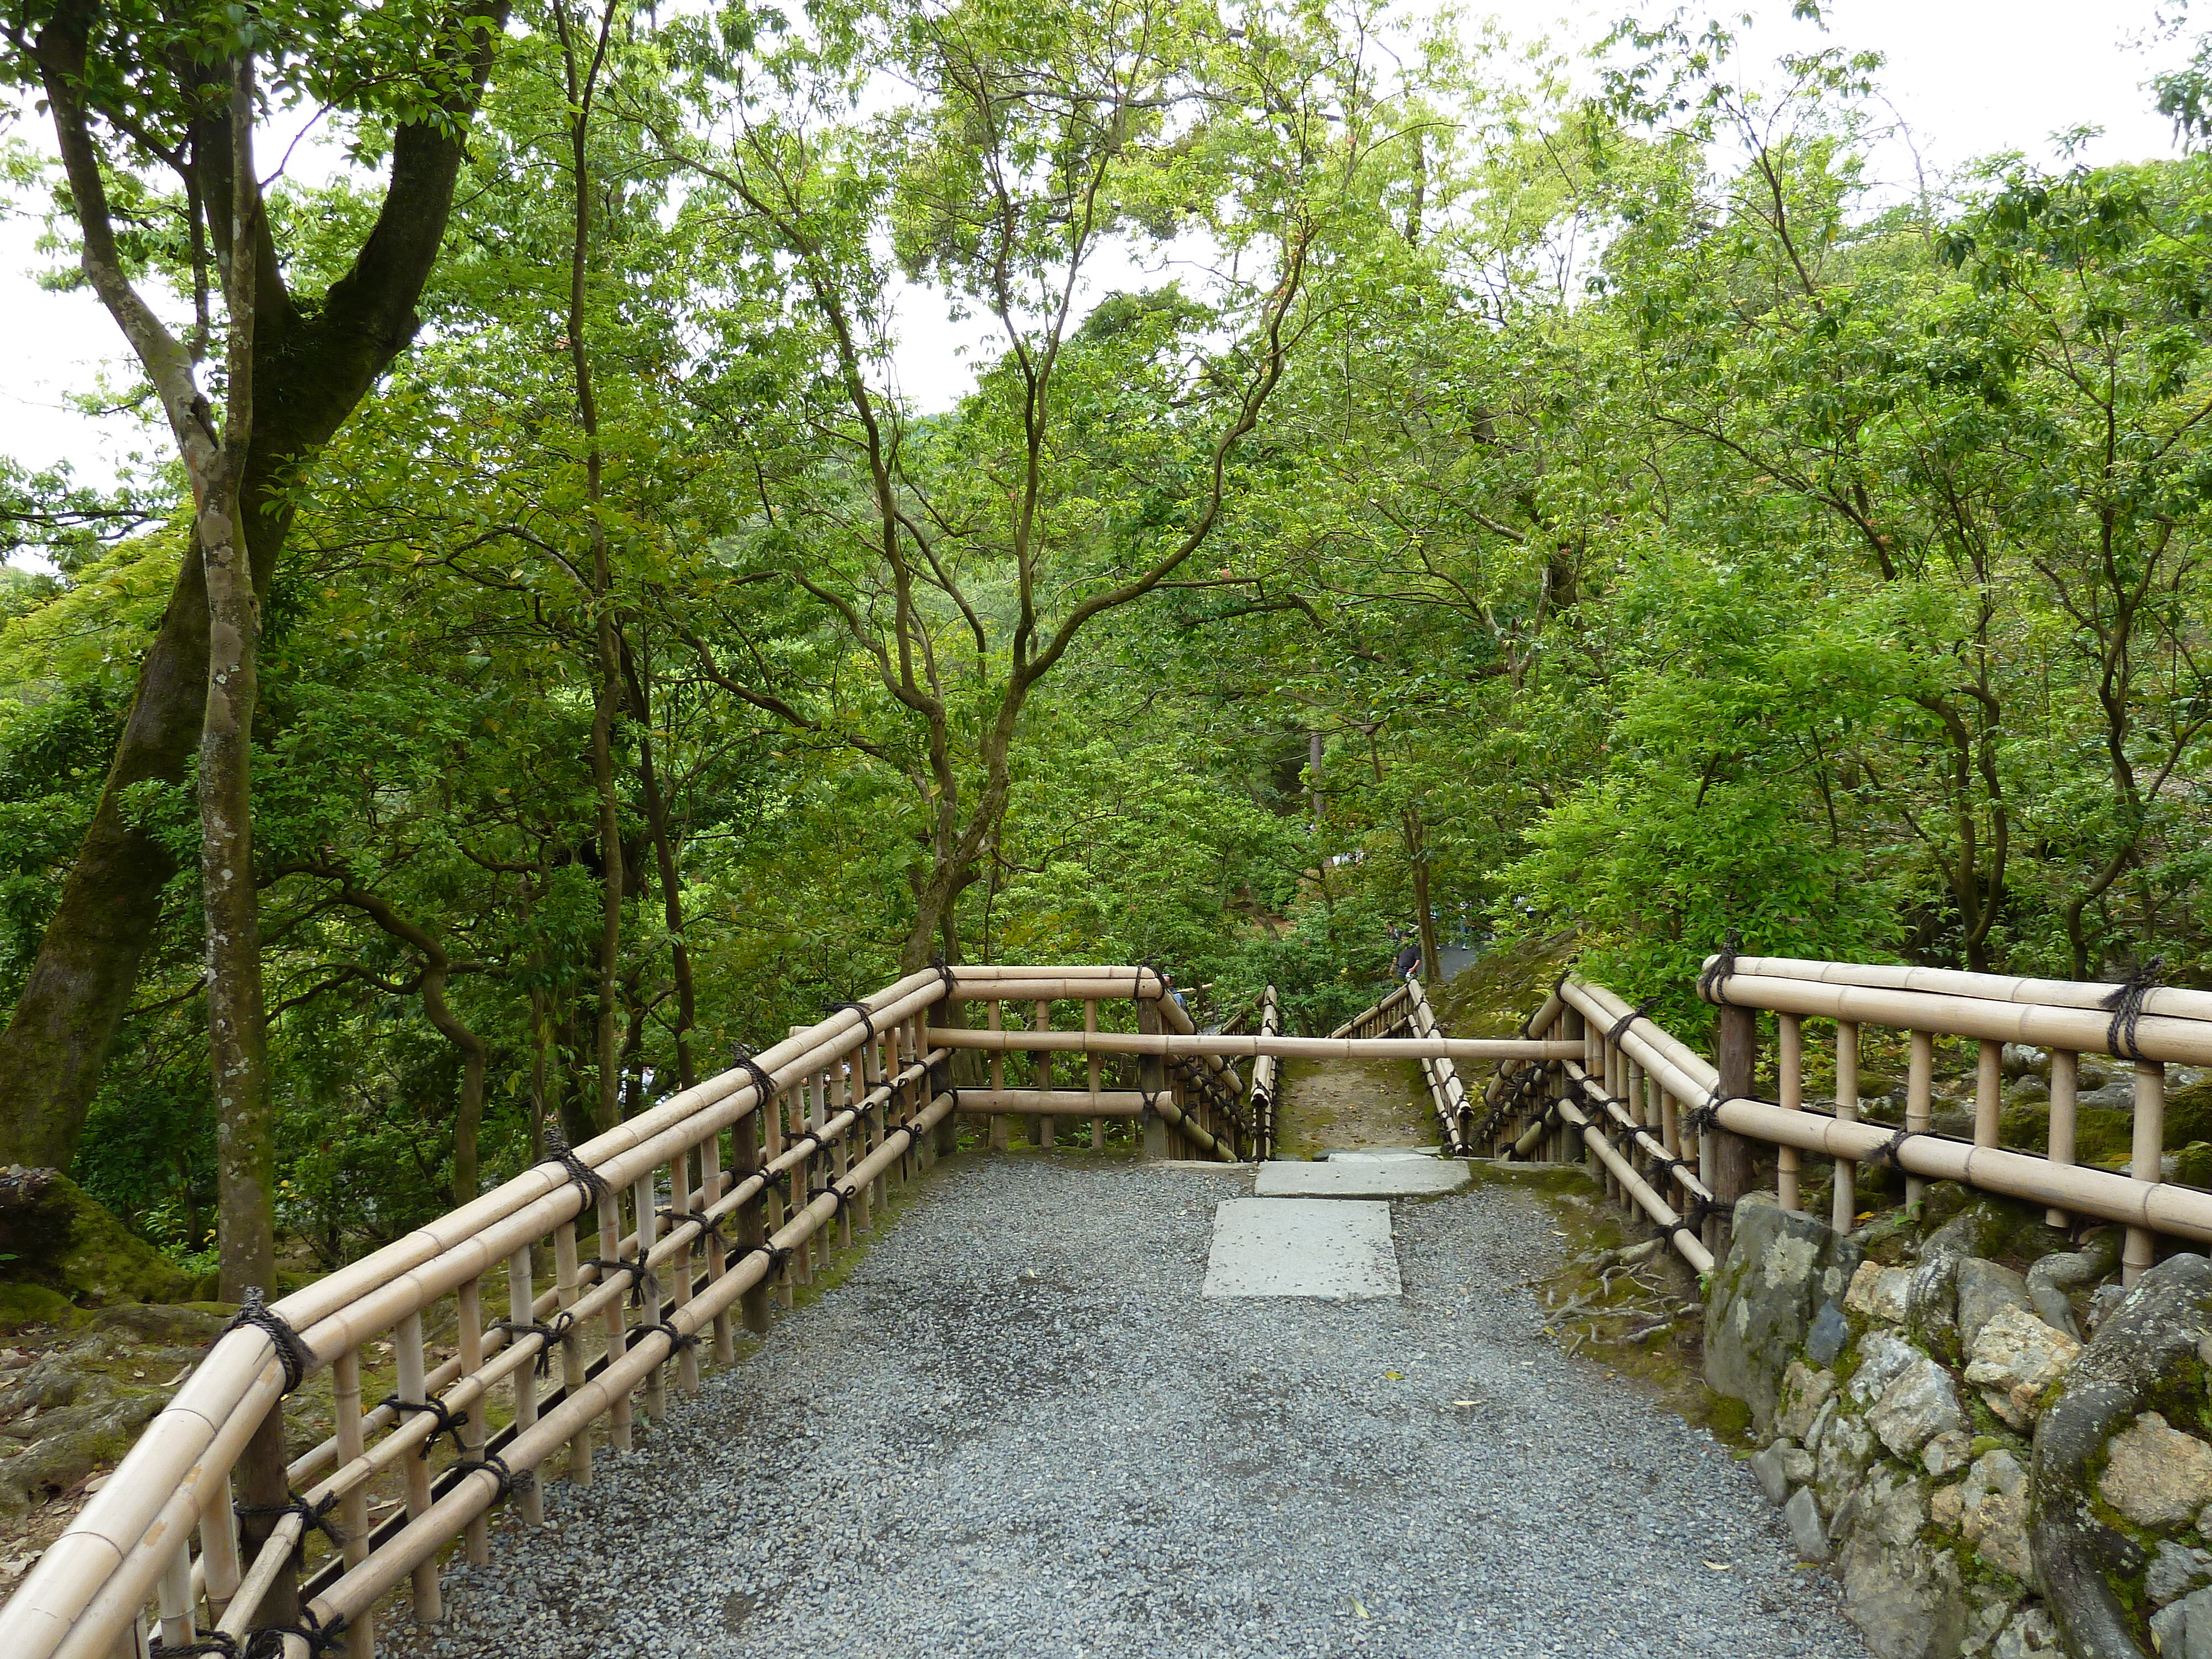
(1969, 77)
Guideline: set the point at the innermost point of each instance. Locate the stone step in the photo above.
(1396, 1177)
(1317, 1247)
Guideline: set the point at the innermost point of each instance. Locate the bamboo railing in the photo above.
(618, 1261)
(1670, 1131)
(1407, 1009)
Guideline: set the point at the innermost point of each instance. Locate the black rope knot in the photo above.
(314, 1516)
(677, 1340)
(1691, 1218)
(587, 1180)
(710, 1227)
(867, 1016)
(552, 1333)
(944, 974)
(741, 1058)
(293, 1354)
(776, 1255)
(642, 1282)
(1719, 969)
(842, 1197)
(268, 1642)
(2126, 1002)
(1888, 1152)
(509, 1479)
(449, 1422)
(1619, 1028)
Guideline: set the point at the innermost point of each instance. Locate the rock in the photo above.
(1779, 1269)
(2175, 1570)
(2168, 1629)
(1993, 1512)
(1831, 1330)
(2184, 1630)
(1767, 1469)
(1895, 1503)
(1908, 1605)
(2137, 1352)
(1797, 1465)
(1879, 1293)
(1983, 1288)
(1920, 1404)
(2014, 1358)
(2102, 1301)
(53, 1234)
(1845, 1450)
(1807, 1530)
(2051, 1277)
(2021, 1059)
(1946, 1452)
(2155, 1475)
(1947, 1506)
(1883, 1357)
(1804, 1391)
(2030, 1635)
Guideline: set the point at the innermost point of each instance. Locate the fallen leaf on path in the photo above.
(1719, 1566)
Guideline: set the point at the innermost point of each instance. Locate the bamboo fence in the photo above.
(1407, 1010)
(1670, 1131)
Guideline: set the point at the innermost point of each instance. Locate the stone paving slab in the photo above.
(1301, 1246)
(1396, 1177)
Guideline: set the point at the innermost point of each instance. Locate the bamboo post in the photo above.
(521, 1309)
(874, 1072)
(468, 1317)
(565, 1271)
(650, 1310)
(710, 1181)
(745, 1159)
(1989, 1092)
(1919, 1089)
(2065, 1093)
(680, 1203)
(219, 1546)
(1843, 1198)
(1790, 1061)
(1573, 1028)
(771, 1205)
(847, 1099)
(176, 1597)
(1042, 1061)
(995, 1019)
(1096, 1061)
(1151, 1080)
(353, 1506)
(1736, 1054)
(407, 1349)
(2142, 1250)
(617, 1329)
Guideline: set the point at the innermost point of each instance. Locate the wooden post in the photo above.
(746, 1156)
(407, 1347)
(710, 1182)
(1735, 1053)
(353, 1506)
(651, 1310)
(1096, 1061)
(2142, 1250)
(618, 1332)
(469, 1317)
(1919, 1090)
(2065, 1094)
(1842, 1200)
(772, 1199)
(566, 1289)
(680, 1203)
(521, 1302)
(1790, 1064)
(1151, 1079)
(840, 1154)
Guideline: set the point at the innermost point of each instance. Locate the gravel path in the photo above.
(1017, 1430)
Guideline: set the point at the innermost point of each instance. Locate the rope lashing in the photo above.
(1619, 1028)
(449, 1422)
(1699, 1119)
(509, 1479)
(292, 1354)
(1719, 969)
(588, 1182)
(1888, 1152)
(842, 1197)
(552, 1332)
(710, 1227)
(2127, 1006)
(1692, 1219)
(1150, 1106)
(677, 1340)
(776, 1255)
(314, 1517)
(642, 1283)
(268, 1642)
(867, 1018)
(944, 974)
(741, 1058)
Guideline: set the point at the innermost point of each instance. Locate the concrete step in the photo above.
(1318, 1247)
(1396, 1177)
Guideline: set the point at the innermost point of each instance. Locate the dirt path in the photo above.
(1345, 1104)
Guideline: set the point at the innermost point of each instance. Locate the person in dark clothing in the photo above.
(1409, 959)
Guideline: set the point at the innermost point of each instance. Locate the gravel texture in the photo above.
(1017, 1430)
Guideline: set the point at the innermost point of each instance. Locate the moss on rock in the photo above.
(55, 1236)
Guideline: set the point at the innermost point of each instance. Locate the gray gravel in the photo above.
(1017, 1430)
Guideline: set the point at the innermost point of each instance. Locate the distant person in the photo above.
(1409, 959)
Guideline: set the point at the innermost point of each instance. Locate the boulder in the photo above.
(2184, 1630)
(1921, 1403)
(1844, 1452)
(1883, 1357)
(2155, 1475)
(2175, 1570)
(2140, 1355)
(2015, 1357)
(1879, 1293)
(1780, 1271)
(2051, 1277)
(1804, 1391)
(2030, 1635)
(1907, 1603)
(1947, 1452)
(1984, 1287)
(53, 1235)
(1993, 1512)
(1766, 1468)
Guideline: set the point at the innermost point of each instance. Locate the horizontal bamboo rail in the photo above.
(789, 1150)
(1287, 1047)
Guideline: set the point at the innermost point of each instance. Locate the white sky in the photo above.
(1969, 77)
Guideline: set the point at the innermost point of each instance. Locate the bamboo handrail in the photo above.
(1288, 1048)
